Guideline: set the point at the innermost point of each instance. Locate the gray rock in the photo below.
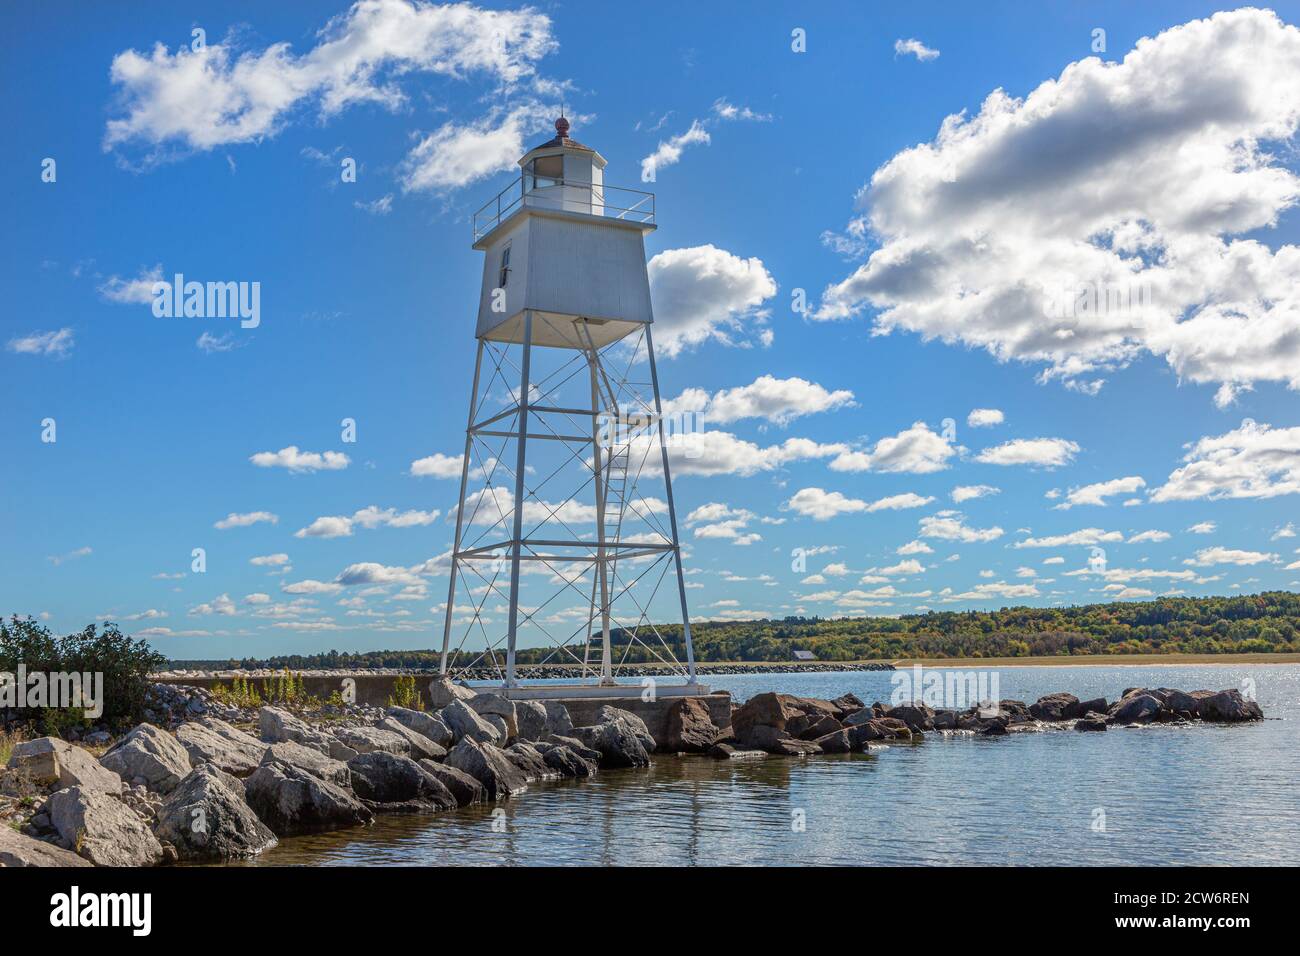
(313, 761)
(631, 721)
(366, 740)
(442, 692)
(836, 742)
(397, 784)
(530, 761)
(564, 761)
(617, 743)
(690, 728)
(1055, 707)
(19, 850)
(214, 741)
(422, 748)
(52, 762)
(101, 828)
(489, 766)
(494, 705)
(574, 744)
(276, 724)
(430, 725)
(1227, 706)
(916, 715)
(1136, 709)
(290, 800)
(558, 720)
(150, 754)
(463, 787)
(765, 737)
(465, 722)
(531, 718)
(207, 818)
(1091, 722)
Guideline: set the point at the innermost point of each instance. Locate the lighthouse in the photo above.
(566, 540)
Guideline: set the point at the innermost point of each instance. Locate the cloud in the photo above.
(1207, 557)
(296, 460)
(820, 505)
(916, 450)
(137, 291)
(57, 559)
(57, 344)
(456, 155)
(670, 150)
(1097, 494)
(1102, 216)
(340, 526)
(1204, 527)
(219, 95)
(951, 526)
(370, 572)
(727, 111)
(1042, 452)
(376, 207)
(702, 293)
(271, 560)
(1153, 536)
(914, 48)
(967, 492)
(1084, 537)
(914, 547)
(777, 400)
(987, 592)
(234, 520)
(984, 417)
(207, 342)
(312, 586)
(221, 605)
(1253, 461)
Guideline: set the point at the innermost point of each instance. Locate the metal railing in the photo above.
(565, 195)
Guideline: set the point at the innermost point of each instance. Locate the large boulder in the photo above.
(1135, 709)
(810, 726)
(206, 818)
(214, 741)
(531, 717)
(634, 724)
(567, 762)
(529, 761)
(617, 744)
(1055, 707)
(465, 722)
(442, 692)
(690, 727)
(421, 747)
(574, 744)
(847, 704)
(1227, 706)
(276, 724)
(916, 715)
(769, 710)
(462, 786)
(878, 728)
(397, 784)
(1091, 722)
(52, 762)
(149, 756)
(290, 800)
(101, 828)
(489, 766)
(365, 740)
(767, 738)
(18, 850)
(558, 720)
(313, 761)
(837, 742)
(430, 725)
(494, 705)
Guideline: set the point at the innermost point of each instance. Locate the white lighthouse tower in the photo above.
(566, 533)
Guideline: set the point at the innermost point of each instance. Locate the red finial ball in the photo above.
(562, 126)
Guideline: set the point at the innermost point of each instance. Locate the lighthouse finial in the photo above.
(562, 125)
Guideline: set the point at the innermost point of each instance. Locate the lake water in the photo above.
(1208, 794)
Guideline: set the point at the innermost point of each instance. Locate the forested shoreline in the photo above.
(1268, 622)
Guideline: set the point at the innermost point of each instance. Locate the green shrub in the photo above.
(125, 665)
(405, 694)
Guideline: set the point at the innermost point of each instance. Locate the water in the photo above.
(1209, 794)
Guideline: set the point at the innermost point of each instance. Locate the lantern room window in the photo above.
(547, 171)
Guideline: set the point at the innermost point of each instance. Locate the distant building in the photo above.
(804, 655)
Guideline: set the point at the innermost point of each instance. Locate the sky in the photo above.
(979, 305)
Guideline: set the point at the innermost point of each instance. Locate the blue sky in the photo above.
(933, 290)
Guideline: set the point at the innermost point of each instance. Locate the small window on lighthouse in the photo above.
(547, 171)
(504, 275)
